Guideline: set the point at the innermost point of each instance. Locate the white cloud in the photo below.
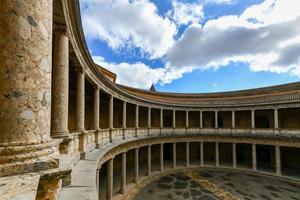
(186, 13)
(219, 1)
(266, 36)
(128, 23)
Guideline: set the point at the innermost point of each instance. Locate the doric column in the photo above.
(233, 119)
(136, 166)
(201, 154)
(234, 155)
(187, 151)
(124, 119)
(123, 176)
(111, 117)
(149, 160)
(252, 118)
(110, 178)
(161, 118)
(174, 118)
(161, 157)
(80, 100)
(276, 126)
(149, 117)
(25, 86)
(278, 160)
(216, 119)
(96, 108)
(217, 154)
(201, 119)
(254, 167)
(60, 85)
(174, 155)
(136, 120)
(187, 119)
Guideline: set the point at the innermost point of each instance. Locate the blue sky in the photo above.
(194, 45)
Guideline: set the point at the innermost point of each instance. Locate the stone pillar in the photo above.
(187, 151)
(234, 155)
(149, 120)
(217, 154)
(136, 120)
(252, 119)
(187, 119)
(216, 119)
(80, 94)
(174, 119)
(278, 160)
(254, 167)
(123, 176)
(161, 118)
(174, 155)
(233, 119)
(201, 119)
(111, 118)
(201, 154)
(110, 179)
(124, 119)
(162, 157)
(136, 166)
(96, 107)
(149, 160)
(60, 85)
(25, 86)
(276, 126)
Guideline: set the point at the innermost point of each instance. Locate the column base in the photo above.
(27, 158)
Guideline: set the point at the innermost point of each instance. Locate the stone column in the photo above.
(201, 154)
(254, 167)
(124, 119)
(25, 86)
(149, 120)
(162, 157)
(136, 120)
(216, 119)
(234, 155)
(161, 118)
(278, 160)
(187, 151)
(96, 107)
(174, 155)
(187, 119)
(136, 166)
(201, 119)
(60, 85)
(149, 160)
(233, 119)
(217, 154)
(123, 177)
(111, 118)
(276, 126)
(252, 119)
(80, 94)
(110, 179)
(174, 119)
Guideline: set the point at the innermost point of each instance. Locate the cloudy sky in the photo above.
(195, 45)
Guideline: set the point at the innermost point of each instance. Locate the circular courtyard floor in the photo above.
(212, 184)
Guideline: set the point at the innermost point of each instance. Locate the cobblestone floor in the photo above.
(210, 184)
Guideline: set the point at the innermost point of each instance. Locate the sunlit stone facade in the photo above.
(64, 122)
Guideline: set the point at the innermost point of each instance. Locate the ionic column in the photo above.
(187, 154)
(96, 108)
(174, 118)
(136, 120)
(234, 155)
(201, 154)
(174, 155)
(149, 160)
(123, 176)
(233, 119)
(187, 119)
(201, 119)
(136, 166)
(216, 119)
(60, 85)
(254, 167)
(80, 101)
(276, 126)
(110, 178)
(25, 86)
(278, 160)
(124, 119)
(217, 154)
(162, 157)
(111, 117)
(252, 119)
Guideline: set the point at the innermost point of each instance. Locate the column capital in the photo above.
(80, 70)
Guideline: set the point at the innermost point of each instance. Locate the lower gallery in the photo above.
(68, 131)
